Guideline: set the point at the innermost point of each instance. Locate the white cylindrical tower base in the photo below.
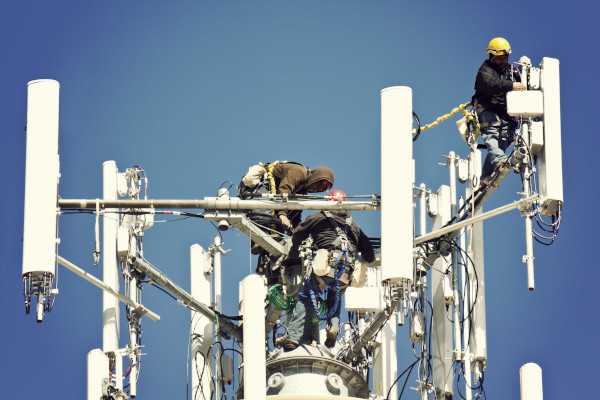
(531, 382)
(253, 310)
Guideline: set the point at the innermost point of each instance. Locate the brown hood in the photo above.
(319, 174)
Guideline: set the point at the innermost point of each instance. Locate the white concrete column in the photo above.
(253, 309)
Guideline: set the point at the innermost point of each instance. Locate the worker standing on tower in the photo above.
(494, 79)
(337, 240)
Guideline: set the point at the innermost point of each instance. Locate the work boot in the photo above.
(286, 343)
(331, 338)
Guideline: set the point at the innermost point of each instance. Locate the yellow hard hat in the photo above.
(499, 47)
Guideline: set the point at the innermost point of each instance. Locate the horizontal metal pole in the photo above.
(95, 281)
(472, 220)
(187, 298)
(224, 203)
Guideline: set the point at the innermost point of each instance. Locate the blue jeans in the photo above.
(497, 136)
(333, 323)
(300, 330)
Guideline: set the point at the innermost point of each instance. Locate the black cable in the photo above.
(200, 374)
(387, 397)
(406, 380)
(461, 251)
(231, 184)
(544, 228)
(480, 390)
(218, 231)
(221, 371)
(429, 366)
(457, 383)
(418, 133)
(156, 285)
(223, 316)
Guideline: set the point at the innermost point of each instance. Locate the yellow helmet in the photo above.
(499, 47)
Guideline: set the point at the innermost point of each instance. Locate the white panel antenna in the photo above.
(41, 193)
(397, 179)
(550, 161)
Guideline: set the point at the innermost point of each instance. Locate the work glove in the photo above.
(285, 221)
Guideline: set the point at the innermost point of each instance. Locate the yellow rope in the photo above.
(475, 122)
(443, 117)
(271, 178)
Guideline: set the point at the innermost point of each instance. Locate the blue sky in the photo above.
(196, 91)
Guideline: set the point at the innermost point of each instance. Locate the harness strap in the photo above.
(486, 124)
(313, 295)
(342, 240)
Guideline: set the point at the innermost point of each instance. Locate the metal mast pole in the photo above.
(216, 254)
(201, 329)
(528, 257)
(466, 326)
(475, 252)
(422, 281)
(110, 275)
(132, 328)
(441, 328)
(452, 158)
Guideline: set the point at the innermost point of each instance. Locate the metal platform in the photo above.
(310, 372)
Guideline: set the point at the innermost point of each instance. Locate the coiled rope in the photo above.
(278, 300)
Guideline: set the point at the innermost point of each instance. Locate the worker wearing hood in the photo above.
(293, 178)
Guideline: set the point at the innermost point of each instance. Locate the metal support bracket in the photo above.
(249, 228)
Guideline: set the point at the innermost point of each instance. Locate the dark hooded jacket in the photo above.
(292, 178)
(324, 234)
(491, 88)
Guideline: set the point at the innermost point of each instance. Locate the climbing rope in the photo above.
(272, 184)
(322, 314)
(278, 300)
(323, 310)
(443, 117)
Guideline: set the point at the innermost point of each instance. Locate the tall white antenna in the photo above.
(41, 194)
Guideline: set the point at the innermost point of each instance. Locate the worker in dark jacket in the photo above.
(327, 229)
(288, 178)
(494, 79)
(292, 178)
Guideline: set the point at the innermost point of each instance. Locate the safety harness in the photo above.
(341, 249)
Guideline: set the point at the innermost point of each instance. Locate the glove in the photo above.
(285, 221)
